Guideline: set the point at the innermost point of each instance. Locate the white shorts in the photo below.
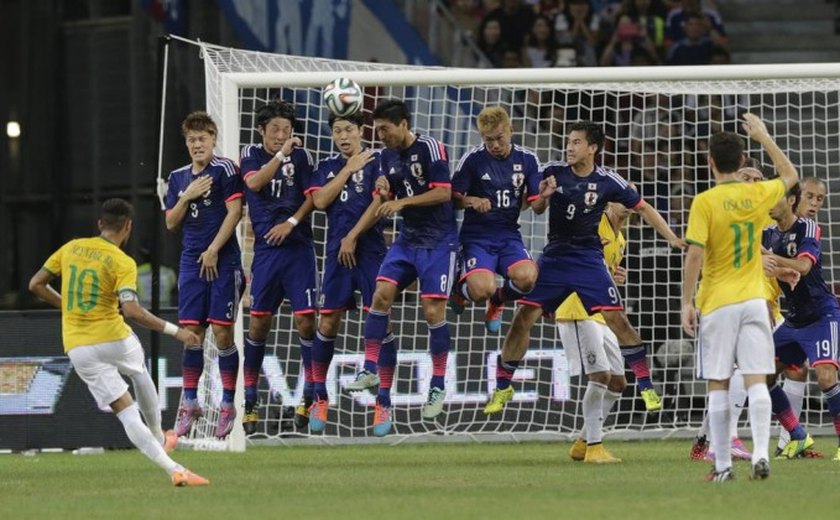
(590, 347)
(101, 364)
(735, 334)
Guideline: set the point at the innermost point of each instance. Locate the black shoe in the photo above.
(760, 470)
(302, 414)
(250, 419)
(720, 476)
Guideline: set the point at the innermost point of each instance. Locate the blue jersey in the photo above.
(281, 197)
(346, 210)
(414, 171)
(579, 202)
(205, 214)
(505, 182)
(811, 299)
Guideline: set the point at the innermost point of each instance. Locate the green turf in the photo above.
(434, 481)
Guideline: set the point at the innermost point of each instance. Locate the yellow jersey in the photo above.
(726, 221)
(572, 308)
(93, 273)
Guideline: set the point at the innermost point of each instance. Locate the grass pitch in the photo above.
(435, 481)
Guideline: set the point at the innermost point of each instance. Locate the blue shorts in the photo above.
(340, 283)
(280, 272)
(582, 271)
(201, 302)
(816, 342)
(435, 268)
(494, 258)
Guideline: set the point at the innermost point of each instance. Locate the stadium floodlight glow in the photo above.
(13, 129)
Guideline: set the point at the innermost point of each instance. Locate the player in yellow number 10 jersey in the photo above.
(724, 236)
(97, 279)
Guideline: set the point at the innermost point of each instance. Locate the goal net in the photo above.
(657, 122)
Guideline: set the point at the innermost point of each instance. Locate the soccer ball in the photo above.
(343, 96)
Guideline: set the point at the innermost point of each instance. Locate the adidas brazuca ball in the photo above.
(343, 96)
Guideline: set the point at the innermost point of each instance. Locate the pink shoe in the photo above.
(227, 414)
(187, 414)
(739, 451)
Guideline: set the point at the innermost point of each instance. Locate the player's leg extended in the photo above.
(634, 352)
(376, 329)
(323, 348)
(513, 350)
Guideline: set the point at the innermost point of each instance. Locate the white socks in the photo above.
(737, 397)
(760, 410)
(719, 428)
(141, 437)
(147, 400)
(795, 391)
(593, 407)
(610, 398)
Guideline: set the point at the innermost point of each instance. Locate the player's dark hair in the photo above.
(275, 108)
(594, 133)
(394, 110)
(727, 150)
(796, 192)
(198, 122)
(115, 213)
(356, 118)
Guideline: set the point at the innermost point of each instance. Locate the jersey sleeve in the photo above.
(248, 163)
(533, 176)
(463, 175)
(53, 263)
(697, 232)
(125, 276)
(769, 193)
(439, 166)
(232, 185)
(319, 176)
(304, 168)
(624, 193)
(171, 194)
(809, 241)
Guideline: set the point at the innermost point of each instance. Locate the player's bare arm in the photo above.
(757, 130)
(135, 312)
(802, 265)
(40, 286)
(436, 195)
(691, 274)
(209, 259)
(277, 234)
(257, 181)
(325, 196)
(196, 189)
(547, 188)
(655, 220)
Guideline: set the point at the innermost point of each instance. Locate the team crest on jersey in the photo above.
(415, 157)
(590, 198)
(359, 177)
(517, 167)
(471, 263)
(518, 179)
(288, 172)
(417, 173)
(591, 186)
(590, 357)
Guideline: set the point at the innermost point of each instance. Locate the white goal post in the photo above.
(657, 121)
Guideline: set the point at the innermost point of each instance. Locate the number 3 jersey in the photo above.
(206, 213)
(810, 299)
(725, 221)
(281, 197)
(93, 273)
(415, 171)
(504, 182)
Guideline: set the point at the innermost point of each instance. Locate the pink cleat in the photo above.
(227, 416)
(187, 414)
(739, 451)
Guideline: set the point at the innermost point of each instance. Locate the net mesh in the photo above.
(656, 137)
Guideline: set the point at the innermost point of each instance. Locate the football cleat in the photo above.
(578, 450)
(187, 414)
(739, 451)
(434, 403)
(381, 421)
(185, 477)
(227, 416)
(498, 400)
(598, 454)
(652, 400)
(318, 415)
(302, 414)
(760, 470)
(720, 476)
(837, 455)
(364, 380)
(699, 449)
(796, 448)
(493, 317)
(250, 419)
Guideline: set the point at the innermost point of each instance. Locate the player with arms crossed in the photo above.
(732, 299)
(415, 170)
(573, 260)
(493, 183)
(812, 321)
(344, 186)
(205, 199)
(97, 280)
(277, 176)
